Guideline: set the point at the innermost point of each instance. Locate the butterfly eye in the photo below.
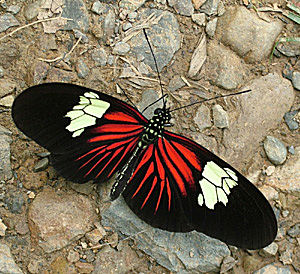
(158, 111)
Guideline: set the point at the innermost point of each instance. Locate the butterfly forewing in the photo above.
(90, 134)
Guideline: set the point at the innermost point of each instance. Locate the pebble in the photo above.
(294, 231)
(127, 26)
(220, 117)
(285, 213)
(82, 69)
(99, 7)
(84, 267)
(183, 7)
(121, 48)
(275, 150)
(202, 117)
(14, 9)
(3, 228)
(7, 20)
(286, 257)
(289, 119)
(1, 72)
(291, 150)
(296, 80)
(94, 236)
(78, 34)
(210, 7)
(132, 16)
(211, 27)
(176, 83)
(14, 201)
(41, 164)
(73, 256)
(227, 264)
(269, 250)
(32, 9)
(99, 55)
(7, 101)
(199, 19)
(270, 170)
(31, 195)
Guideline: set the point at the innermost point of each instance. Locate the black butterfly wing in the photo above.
(90, 134)
(180, 186)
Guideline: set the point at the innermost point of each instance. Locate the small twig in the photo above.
(31, 24)
(131, 65)
(63, 56)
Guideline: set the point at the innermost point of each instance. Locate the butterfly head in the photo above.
(164, 116)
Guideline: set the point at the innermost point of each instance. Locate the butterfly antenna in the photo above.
(129, 100)
(161, 98)
(161, 88)
(210, 99)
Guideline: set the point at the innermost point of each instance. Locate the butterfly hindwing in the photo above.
(185, 187)
(90, 134)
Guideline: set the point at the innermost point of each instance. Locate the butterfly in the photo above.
(167, 180)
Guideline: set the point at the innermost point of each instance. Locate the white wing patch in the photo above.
(216, 184)
(83, 115)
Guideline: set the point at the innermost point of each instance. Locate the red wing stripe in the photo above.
(162, 177)
(120, 116)
(152, 187)
(113, 136)
(170, 166)
(145, 158)
(93, 167)
(188, 154)
(115, 128)
(149, 172)
(101, 148)
(112, 157)
(133, 142)
(180, 163)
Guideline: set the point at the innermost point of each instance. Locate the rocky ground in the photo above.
(203, 49)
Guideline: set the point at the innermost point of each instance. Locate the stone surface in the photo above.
(199, 18)
(14, 201)
(296, 80)
(227, 264)
(7, 20)
(7, 101)
(252, 39)
(220, 117)
(211, 27)
(76, 10)
(7, 86)
(31, 10)
(176, 83)
(290, 119)
(294, 231)
(121, 48)
(210, 7)
(57, 218)
(260, 110)
(271, 268)
(41, 165)
(14, 9)
(171, 250)
(225, 69)
(203, 118)
(82, 69)
(269, 250)
(7, 263)
(199, 57)
(1, 72)
(99, 55)
(275, 150)
(286, 177)
(5, 141)
(164, 37)
(3, 228)
(9, 52)
(131, 5)
(148, 96)
(183, 7)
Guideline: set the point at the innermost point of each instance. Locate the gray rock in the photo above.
(176, 83)
(5, 141)
(275, 150)
(291, 149)
(183, 7)
(220, 117)
(148, 97)
(7, 20)
(121, 48)
(211, 27)
(76, 10)
(199, 18)
(164, 37)
(1, 72)
(82, 69)
(289, 118)
(132, 16)
(41, 165)
(78, 34)
(99, 56)
(131, 5)
(260, 111)
(294, 231)
(286, 256)
(252, 39)
(127, 26)
(14, 9)
(272, 268)
(210, 7)
(171, 250)
(32, 9)
(7, 101)
(203, 118)
(14, 201)
(7, 263)
(56, 218)
(224, 68)
(289, 49)
(296, 80)
(269, 250)
(86, 188)
(99, 7)
(9, 52)
(227, 264)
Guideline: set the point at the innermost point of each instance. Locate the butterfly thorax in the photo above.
(155, 128)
